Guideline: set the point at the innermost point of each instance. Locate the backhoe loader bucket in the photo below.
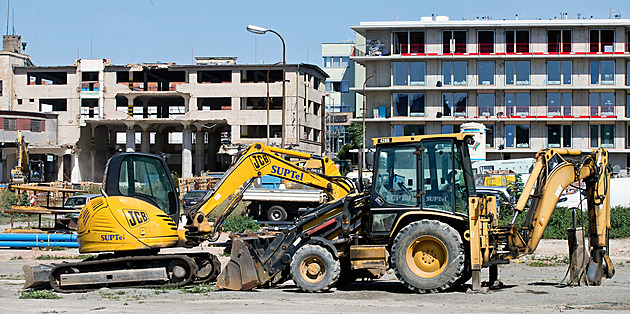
(240, 272)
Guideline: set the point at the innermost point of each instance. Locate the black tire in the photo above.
(428, 256)
(276, 213)
(314, 269)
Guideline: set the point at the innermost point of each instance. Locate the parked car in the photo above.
(193, 197)
(78, 201)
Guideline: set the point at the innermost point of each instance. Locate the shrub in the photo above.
(240, 224)
(7, 198)
(38, 294)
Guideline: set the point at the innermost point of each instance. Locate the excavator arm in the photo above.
(19, 174)
(554, 170)
(259, 160)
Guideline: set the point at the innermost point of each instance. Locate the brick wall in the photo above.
(24, 124)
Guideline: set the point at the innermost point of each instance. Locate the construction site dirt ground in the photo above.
(529, 287)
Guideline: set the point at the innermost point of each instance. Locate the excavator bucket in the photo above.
(37, 276)
(240, 272)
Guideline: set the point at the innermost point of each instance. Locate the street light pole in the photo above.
(269, 70)
(260, 31)
(362, 154)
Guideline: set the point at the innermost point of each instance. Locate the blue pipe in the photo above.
(37, 237)
(38, 244)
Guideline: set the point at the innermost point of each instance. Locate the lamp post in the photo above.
(269, 70)
(362, 154)
(261, 31)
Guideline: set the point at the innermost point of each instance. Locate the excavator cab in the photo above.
(431, 175)
(145, 177)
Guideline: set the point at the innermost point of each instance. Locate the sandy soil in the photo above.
(527, 289)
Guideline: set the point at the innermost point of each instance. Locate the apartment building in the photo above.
(532, 83)
(340, 101)
(197, 116)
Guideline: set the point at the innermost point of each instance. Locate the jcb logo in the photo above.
(136, 217)
(260, 161)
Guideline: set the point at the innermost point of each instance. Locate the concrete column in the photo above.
(186, 152)
(145, 108)
(159, 140)
(130, 99)
(145, 138)
(75, 175)
(199, 150)
(131, 137)
(192, 104)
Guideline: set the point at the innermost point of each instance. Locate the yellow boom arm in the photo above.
(259, 160)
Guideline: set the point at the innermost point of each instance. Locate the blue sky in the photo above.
(129, 31)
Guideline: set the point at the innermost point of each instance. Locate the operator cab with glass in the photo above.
(420, 173)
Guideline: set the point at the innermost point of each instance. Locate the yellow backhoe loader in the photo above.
(26, 170)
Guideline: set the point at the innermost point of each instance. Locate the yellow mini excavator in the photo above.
(139, 213)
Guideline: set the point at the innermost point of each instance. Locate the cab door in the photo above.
(395, 185)
(145, 177)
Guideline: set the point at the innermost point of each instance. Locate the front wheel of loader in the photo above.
(428, 256)
(314, 269)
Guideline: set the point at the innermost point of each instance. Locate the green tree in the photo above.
(356, 134)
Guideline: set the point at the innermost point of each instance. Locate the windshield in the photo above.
(71, 202)
(195, 195)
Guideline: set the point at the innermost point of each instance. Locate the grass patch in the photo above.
(12, 277)
(198, 289)
(55, 257)
(98, 308)
(52, 248)
(16, 258)
(554, 260)
(39, 294)
(109, 295)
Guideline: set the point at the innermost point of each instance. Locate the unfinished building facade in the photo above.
(196, 116)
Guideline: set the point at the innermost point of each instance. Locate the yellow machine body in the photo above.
(119, 223)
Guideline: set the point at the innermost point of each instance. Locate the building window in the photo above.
(408, 105)
(408, 130)
(516, 41)
(602, 72)
(10, 124)
(628, 41)
(36, 125)
(50, 105)
(485, 72)
(601, 40)
(627, 75)
(602, 104)
(450, 128)
(336, 62)
(340, 87)
(454, 72)
(485, 104)
(602, 135)
(558, 135)
(454, 41)
(408, 73)
(408, 42)
(490, 135)
(628, 105)
(559, 104)
(517, 71)
(47, 78)
(559, 40)
(485, 39)
(1, 87)
(454, 102)
(517, 135)
(559, 72)
(517, 104)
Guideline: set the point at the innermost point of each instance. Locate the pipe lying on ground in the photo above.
(15, 244)
(38, 237)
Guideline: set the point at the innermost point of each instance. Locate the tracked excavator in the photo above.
(139, 213)
(26, 170)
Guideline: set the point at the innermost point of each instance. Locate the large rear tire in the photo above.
(314, 269)
(428, 256)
